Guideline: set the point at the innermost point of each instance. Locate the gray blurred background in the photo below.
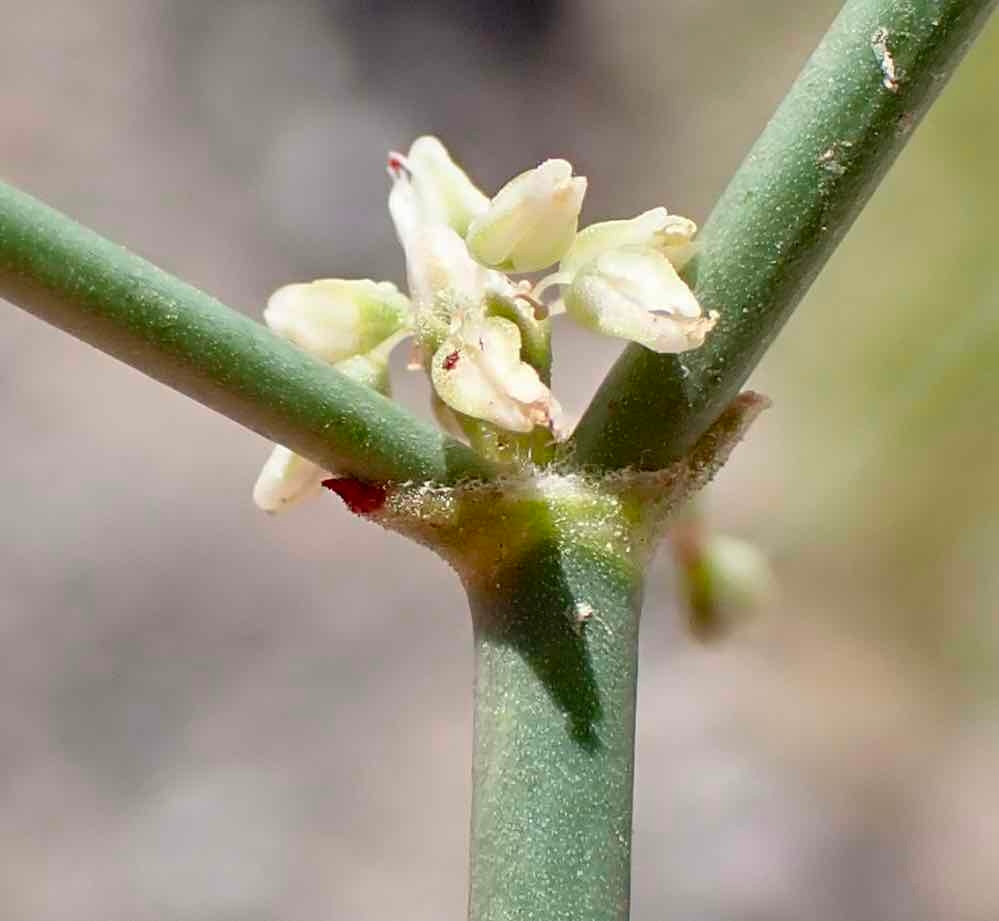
(207, 714)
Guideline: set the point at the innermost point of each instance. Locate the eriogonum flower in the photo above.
(478, 371)
(484, 338)
(635, 293)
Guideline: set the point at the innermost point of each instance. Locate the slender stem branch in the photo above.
(125, 306)
(849, 114)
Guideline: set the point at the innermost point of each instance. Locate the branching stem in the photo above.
(848, 115)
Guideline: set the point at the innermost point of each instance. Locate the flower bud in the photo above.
(478, 371)
(636, 294)
(728, 582)
(335, 319)
(532, 220)
(655, 229)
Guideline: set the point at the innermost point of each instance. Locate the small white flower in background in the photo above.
(635, 293)
(483, 338)
(532, 220)
(478, 371)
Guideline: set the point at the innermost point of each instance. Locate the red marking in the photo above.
(450, 361)
(360, 497)
(397, 165)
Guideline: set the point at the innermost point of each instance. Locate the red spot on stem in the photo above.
(450, 361)
(360, 497)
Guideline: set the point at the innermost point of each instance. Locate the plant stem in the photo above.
(125, 306)
(845, 120)
(554, 738)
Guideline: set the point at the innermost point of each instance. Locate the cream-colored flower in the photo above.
(478, 371)
(635, 293)
(531, 221)
(335, 318)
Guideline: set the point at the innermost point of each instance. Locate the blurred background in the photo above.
(207, 714)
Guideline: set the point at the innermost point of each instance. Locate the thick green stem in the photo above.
(123, 305)
(556, 658)
(849, 114)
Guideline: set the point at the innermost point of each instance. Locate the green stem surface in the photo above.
(125, 306)
(849, 114)
(554, 738)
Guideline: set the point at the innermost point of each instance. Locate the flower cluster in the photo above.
(483, 337)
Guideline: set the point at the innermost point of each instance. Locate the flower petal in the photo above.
(532, 220)
(636, 294)
(446, 194)
(656, 228)
(285, 479)
(477, 371)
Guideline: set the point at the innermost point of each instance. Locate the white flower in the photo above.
(635, 293)
(477, 371)
(334, 319)
(532, 220)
